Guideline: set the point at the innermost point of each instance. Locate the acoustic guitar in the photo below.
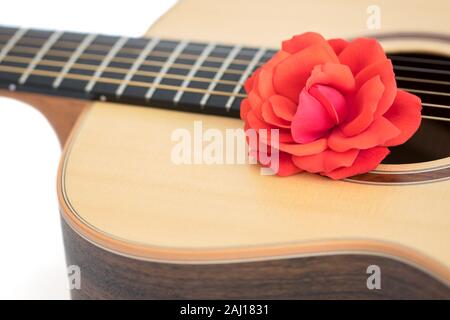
(140, 226)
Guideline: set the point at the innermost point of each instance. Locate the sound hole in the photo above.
(431, 142)
(430, 74)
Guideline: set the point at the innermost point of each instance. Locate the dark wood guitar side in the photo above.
(106, 275)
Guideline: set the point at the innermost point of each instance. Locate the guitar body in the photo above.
(140, 226)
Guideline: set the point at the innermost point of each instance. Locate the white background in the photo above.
(32, 264)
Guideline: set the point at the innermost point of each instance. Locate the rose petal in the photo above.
(305, 149)
(365, 161)
(283, 107)
(380, 131)
(249, 83)
(257, 124)
(276, 59)
(405, 115)
(338, 76)
(384, 70)
(265, 84)
(360, 53)
(311, 121)
(332, 100)
(255, 102)
(245, 108)
(265, 157)
(302, 41)
(338, 44)
(291, 74)
(362, 107)
(325, 161)
(286, 165)
(270, 117)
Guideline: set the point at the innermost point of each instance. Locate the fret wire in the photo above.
(245, 75)
(142, 84)
(42, 51)
(136, 65)
(193, 70)
(119, 43)
(73, 58)
(231, 55)
(168, 64)
(11, 42)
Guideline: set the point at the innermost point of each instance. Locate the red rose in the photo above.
(335, 103)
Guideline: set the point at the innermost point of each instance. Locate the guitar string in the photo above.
(434, 105)
(68, 44)
(421, 60)
(187, 66)
(47, 62)
(445, 83)
(435, 118)
(113, 69)
(446, 94)
(145, 84)
(57, 63)
(18, 70)
(99, 57)
(156, 53)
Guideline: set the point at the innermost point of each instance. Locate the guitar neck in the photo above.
(179, 75)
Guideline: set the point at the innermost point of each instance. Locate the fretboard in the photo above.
(180, 75)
